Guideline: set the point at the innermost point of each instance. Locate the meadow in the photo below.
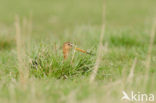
(32, 33)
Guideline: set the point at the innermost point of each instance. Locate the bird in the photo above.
(67, 46)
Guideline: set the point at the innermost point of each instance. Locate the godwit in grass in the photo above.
(67, 46)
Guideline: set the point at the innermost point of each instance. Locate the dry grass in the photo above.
(149, 54)
(131, 74)
(73, 54)
(99, 50)
(21, 49)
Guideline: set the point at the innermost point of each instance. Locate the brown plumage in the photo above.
(66, 48)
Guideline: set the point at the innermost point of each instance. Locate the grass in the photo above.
(127, 34)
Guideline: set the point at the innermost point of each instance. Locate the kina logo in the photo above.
(138, 97)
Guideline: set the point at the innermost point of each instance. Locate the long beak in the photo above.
(81, 50)
(78, 49)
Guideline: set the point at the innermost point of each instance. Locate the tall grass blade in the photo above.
(148, 59)
(99, 50)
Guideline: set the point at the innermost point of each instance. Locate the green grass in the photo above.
(128, 29)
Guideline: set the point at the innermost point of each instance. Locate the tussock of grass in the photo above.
(45, 63)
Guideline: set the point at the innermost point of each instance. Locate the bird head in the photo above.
(67, 45)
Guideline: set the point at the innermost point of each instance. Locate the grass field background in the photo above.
(32, 68)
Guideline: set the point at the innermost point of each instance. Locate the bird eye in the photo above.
(69, 44)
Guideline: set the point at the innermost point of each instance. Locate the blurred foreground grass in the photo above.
(54, 22)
